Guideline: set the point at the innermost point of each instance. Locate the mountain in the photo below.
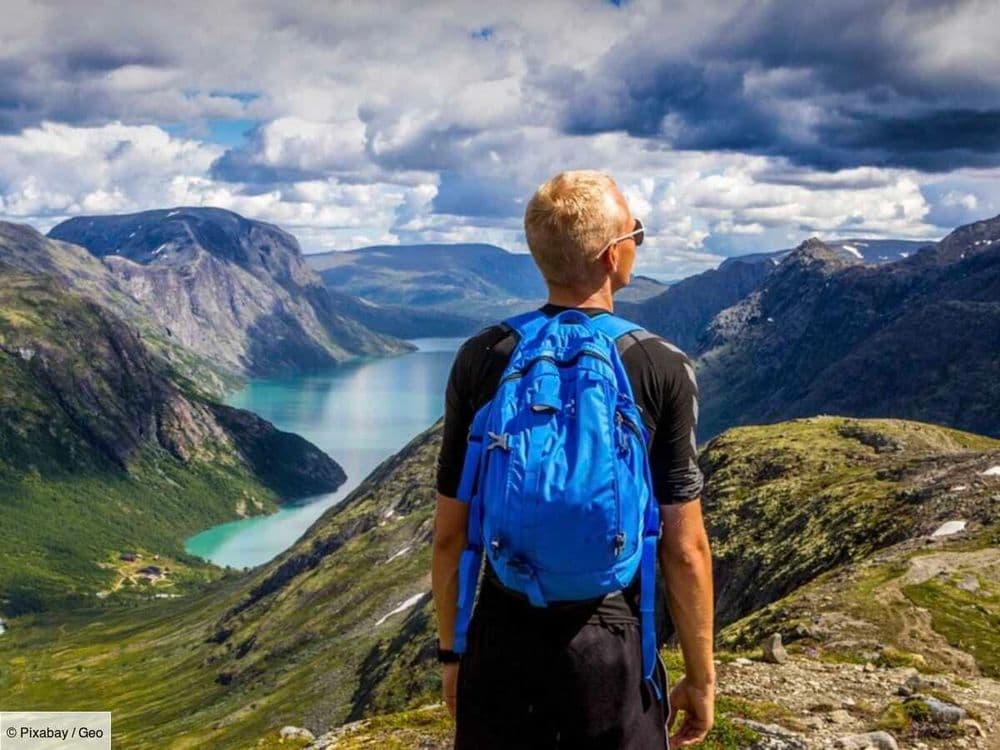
(455, 289)
(471, 285)
(230, 289)
(102, 451)
(641, 288)
(459, 278)
(682, 312)
(918, 338)
(339, 627)
(24, 248)
(865, 250)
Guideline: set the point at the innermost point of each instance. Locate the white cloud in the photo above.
(54, 171)
(400, 123)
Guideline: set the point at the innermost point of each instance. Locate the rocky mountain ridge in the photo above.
(916, 338)
(864, 249)
(233, 290)
(24, 248)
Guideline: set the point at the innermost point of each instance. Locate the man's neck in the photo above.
(565, 297)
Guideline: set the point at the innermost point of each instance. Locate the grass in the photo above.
(60, 535)
(808, 496)
(969, 621)
(911, 719)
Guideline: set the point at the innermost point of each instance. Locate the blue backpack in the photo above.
(557, 474)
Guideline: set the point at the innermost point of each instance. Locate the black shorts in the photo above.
(532, 679)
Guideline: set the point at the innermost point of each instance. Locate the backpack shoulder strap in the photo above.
(524, 321)
(613, 325)
(630, 338)
(618, 328)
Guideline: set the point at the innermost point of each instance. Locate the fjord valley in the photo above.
(118, 336)
(104, 450)
(115, 447)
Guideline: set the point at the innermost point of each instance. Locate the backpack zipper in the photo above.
(620, 419)
(632, 426)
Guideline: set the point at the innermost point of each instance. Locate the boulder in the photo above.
(295, 733)
(774, 651)
(917, 682)
(867, 741)
(943, 712)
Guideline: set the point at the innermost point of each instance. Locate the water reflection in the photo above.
(359, 413)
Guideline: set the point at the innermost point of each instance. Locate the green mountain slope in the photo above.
(340, 625)
(101, 452)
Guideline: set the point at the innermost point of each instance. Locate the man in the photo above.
(569, 675)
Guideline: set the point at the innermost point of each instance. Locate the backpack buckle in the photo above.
(498, 441)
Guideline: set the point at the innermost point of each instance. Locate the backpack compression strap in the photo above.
(617, 328)
(468, 492)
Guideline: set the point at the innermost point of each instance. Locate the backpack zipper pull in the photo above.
(619, 542)
(619, 433)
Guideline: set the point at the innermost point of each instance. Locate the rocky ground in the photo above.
(813, 703)
(802, 703)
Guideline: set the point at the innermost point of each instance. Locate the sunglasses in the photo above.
(637, 233)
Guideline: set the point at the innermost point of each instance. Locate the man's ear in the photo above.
(610, 258)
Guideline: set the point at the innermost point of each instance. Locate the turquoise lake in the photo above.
(359, 413)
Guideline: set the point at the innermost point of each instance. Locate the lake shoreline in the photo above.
(359, 413)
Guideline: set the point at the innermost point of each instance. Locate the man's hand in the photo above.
(686, 562)
(449, 686)
(698, 705)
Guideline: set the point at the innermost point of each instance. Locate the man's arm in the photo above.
(450, 522)
(450, 518)
(685, 558)
(686, 563)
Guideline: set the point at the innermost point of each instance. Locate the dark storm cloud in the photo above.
(106, 57)
(936, 141)
(827, 85)
(242, 165)
(477, 195)
(708, 101)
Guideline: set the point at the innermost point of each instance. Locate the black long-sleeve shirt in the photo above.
(666, 392)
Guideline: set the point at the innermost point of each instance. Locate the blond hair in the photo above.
(567, 222)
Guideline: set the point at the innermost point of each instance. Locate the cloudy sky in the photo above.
(731, 127)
